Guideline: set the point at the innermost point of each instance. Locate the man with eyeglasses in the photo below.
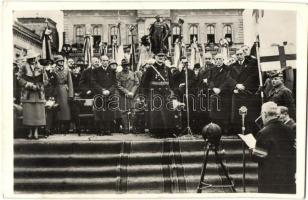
(104, 85)
(245, 82)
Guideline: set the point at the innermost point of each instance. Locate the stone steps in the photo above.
(149, 166)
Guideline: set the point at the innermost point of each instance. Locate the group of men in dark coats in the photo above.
(216, 91)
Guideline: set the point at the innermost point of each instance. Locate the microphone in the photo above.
(243, 110)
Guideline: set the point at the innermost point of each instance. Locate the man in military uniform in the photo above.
(281, 95)
(104, 86)
(157, 87)
(245, 82)
(127, 84)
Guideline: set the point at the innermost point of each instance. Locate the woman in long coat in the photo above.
(64, 93)
(32, 78)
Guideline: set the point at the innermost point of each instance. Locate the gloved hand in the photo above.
(106, 92)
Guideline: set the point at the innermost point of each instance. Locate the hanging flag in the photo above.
(46, 44)
(88, 50)
(119, 54)
(132, 60)
(272, 27)
(192, 56)
(144, 55)
(278, 57)
(177, 53)
(195, 56)
(257, 14)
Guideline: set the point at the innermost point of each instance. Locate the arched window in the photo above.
(193, 33)
(175, 33)
(97, 35)
(228, 32)
(114, 34)
(80, 32)
(210, 33)
(132, 34)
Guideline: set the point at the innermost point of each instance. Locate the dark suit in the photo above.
(276, 171)
(104, 79)
(248, 75)
(220, 105)
(194, 101)
(205, 71)
(85, 83)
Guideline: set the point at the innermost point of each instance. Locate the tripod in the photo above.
(203, 185)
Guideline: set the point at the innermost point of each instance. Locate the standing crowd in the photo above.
(55, 93)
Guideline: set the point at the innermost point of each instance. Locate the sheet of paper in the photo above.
(249, 140)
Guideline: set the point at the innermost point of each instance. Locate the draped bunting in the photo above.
(144, 56)
(46, 45)
(177, 53)
(88, 50)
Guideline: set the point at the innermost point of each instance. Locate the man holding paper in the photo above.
(275, 153)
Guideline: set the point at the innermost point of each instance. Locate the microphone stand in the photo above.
(188, 128)
(243, 113)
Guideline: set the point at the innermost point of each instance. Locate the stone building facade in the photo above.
(207, 26)
(38, 25)
(24, 40)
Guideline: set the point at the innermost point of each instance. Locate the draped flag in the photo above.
(177, 53)
(46, 45)
(144, 56)
(277, 57)
(275, 33)
(88, 50)
(119, 54)
(195, 56)
(132, 60)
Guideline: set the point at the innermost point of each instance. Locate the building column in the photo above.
(141, 28)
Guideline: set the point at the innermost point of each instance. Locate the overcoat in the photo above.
(32, 80)
(276, 171)
(63, 90)
(248, 75)
(157, 87)
(220, 105)
(105, 107)
(85, 83)
(126, 82)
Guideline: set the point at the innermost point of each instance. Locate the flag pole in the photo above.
(259, 68)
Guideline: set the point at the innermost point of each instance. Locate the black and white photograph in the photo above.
(139, 101)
